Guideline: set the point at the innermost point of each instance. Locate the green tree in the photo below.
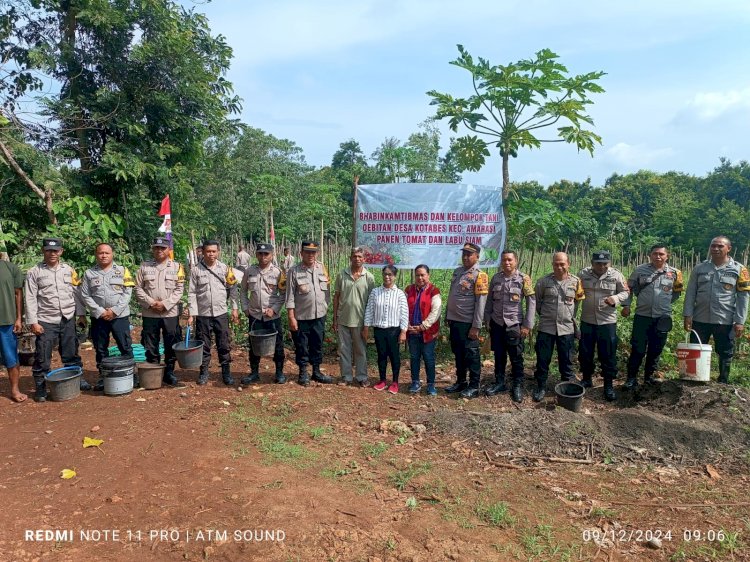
(513, 103)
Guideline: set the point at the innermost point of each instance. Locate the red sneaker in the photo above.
(393, 389)
(380, 386)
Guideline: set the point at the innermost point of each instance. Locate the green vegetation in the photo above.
(374, 450)
(497, 514)
(401, 478)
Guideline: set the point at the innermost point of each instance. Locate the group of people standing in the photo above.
(508, 306)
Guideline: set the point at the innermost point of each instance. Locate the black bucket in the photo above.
(263, 342)
(570, 395)
(117, 373)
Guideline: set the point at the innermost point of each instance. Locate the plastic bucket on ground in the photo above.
(694, 360)
(263, 342)
(64, 384)
(150, 375)
(117, 373)
(189, 356)
(570, 395)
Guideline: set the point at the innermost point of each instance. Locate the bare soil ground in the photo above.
(342, 473)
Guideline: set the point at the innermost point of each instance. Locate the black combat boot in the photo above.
(280, 377)
(226, 375)
(254, 375)
(459, 386)
(631, 383)
(609, 390)
(304, 378)
(724, 367)
(586, 381)
(320, 377)
(539, 391)
(169, 379)
(203, 376)
(40, 395)
(85, 385)
(471, 391)
(498, 387)
(99, 386)
(517, 391)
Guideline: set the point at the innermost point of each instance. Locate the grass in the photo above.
(496, 514)
(602, 513)
(374, 450)
(274, 435)
(539, 542)
(727, 547)
(401, 478)
(320, 431)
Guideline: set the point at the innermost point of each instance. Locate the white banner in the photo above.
(407, 224)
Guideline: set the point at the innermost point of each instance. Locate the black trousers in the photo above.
(62, 335)
(278, 352)
(386, 344)
(648, 341)
(545, 345)
(119, 328)
(170, 332)
(308, 342)
(219, 326)
(507, 342)
(602, 340)
(723, 339)
(466, 352)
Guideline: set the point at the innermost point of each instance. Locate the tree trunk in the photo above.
(506, 185)
(45, 195)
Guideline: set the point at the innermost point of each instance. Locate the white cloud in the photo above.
(709, 106)
(636, 156)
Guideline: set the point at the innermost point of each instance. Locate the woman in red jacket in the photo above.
(424, 324)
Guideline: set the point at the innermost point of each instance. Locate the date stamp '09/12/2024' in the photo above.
(645, 535)
(154, 535)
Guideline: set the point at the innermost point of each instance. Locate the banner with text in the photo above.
(411, 223)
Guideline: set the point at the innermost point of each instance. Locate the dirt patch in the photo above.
(668, 423)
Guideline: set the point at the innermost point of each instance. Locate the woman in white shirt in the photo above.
(388, 313)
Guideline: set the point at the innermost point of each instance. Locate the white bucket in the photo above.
(694, 360)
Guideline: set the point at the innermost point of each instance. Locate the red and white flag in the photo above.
(166, 212)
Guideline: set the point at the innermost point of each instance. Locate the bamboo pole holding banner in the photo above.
(355, 188)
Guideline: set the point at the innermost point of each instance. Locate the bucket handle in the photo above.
(687, 337)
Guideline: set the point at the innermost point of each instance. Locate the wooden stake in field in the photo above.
(355, 188)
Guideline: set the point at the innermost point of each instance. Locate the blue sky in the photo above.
(321, 72)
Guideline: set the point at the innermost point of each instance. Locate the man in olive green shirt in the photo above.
(352, 289)
(11, 295)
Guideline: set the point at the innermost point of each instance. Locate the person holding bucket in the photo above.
(656, 285)
(716, 302)
(106, 290)
(159, 284)
(262, 294)
(52, 303)
(212, 282)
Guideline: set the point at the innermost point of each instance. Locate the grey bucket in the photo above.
(117, 373)
(64, 384)
(189, 356)
(570, 395)
(263, 342)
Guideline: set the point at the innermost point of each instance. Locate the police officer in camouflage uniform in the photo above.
(262, 294)
(605, 288)
(508, 325)
(557, 297)
(52, 298)
(106, 290)
(656, 285)
(465, 313)
(716, 302)
(308, 294)
(159, 285)
(211, 283)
